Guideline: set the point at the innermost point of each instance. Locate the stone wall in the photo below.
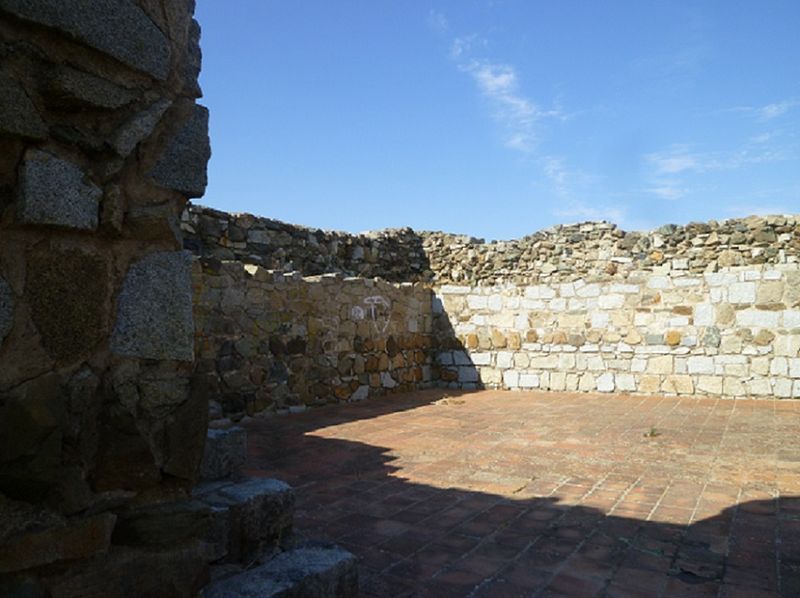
(101, 144)
(701, 309)
(396, 255)
(272, 341)
(561, 253)
(732, 333)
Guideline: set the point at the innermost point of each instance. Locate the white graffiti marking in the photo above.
(379, 312)
(357, 313)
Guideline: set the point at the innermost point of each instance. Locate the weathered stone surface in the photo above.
(72, 540)
(251, 515)
(308, 572)
(182, 165)
(175, 572)
(154, 309)
(139, 127)
(164, 524)
(68, 294)
(6, 309)
(55, 192)
(117, 27)
(72, 87)
(225, 453)
(18, 115)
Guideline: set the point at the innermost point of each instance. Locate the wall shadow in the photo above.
(415, 539)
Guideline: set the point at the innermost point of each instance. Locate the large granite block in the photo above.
(225, 454)
(6, 309)
(118, 28)
(154, 309)
(18, 115)
(307, 572)
(56, 192)
(182, 165)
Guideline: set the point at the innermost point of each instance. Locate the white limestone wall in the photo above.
(732, 333)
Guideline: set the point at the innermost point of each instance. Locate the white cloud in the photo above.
(437, 22)
(668, 190)
(768, 111)
(771, 111)
(499, 83)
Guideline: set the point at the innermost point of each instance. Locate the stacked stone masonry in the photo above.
(267, 340)
(561, 253)
(704, 309)
(101, 144)
(731, 333)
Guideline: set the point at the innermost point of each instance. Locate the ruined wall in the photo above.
(702, 309)
(560, 253)
(271, 342)
(101, 143)
(396, 255)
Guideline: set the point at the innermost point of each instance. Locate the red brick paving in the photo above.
(541, 494)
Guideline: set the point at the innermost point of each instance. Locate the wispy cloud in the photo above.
(768, 111)
(517, 114)
(437, 21)
(669, 190)
(680, 158)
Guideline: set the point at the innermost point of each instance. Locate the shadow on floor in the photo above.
(420, 539)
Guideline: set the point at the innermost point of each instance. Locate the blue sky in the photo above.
(497, 118)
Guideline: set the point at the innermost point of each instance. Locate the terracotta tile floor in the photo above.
(541, 494)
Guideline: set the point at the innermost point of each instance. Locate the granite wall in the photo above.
(268, 341)
(101, 144)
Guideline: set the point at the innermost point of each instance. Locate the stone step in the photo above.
(224, 455)
(253, 516)
(304, 572)
(236, 520)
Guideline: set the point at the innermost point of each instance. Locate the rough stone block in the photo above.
(783, 388)
(154, 309)
(72, 540)
(757, 318)
(74, 87)
(742, 292)
(678, 384)
(605, 382)
(468, 374)
(249, 515)
(626, 382)
(311, 572)
(709, 385)
(610, 301)
(175, 572)
(649, 383)
(698, 364)
(55, 192)
(6, 309)
(182, 165)
(18, 115)
(661, 364)
(225, 453)
(163, 524)
(511, 379)
(117, 27)
(139, 128)
(733, 387)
